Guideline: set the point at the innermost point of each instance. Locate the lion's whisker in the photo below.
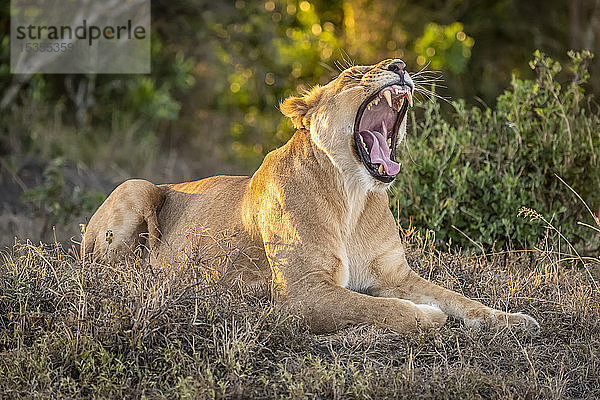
(424, 67)
(428, 73)
(347, 59)
(431, 94)
(429, 84)
(327, 67)
(428, 78)
(427, 81)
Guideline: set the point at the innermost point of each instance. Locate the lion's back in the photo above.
(204, 218)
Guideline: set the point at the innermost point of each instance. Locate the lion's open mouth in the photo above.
(376, 130)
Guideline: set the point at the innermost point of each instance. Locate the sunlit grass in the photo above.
(130, 330)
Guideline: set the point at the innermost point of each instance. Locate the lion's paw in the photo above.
(430, 316)
(516, 320)
(496, 319)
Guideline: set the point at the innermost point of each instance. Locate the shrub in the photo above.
(468, 175)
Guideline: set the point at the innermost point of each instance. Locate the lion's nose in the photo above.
(397, 66)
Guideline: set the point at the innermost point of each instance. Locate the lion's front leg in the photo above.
(311, 286)
(397, 279)
(328, 307)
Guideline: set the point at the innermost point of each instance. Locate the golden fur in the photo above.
(311, 221)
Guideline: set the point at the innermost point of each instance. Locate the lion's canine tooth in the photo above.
(400, 103)
(380, 169)
(389, 142)
(409, 97)
(388, 97)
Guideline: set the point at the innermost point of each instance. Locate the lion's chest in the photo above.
(356, 255)
(365, 234)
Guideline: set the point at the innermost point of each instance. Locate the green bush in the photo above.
(466, 177)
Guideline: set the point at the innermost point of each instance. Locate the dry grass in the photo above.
(69, 330)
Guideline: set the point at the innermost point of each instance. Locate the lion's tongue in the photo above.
(380, 152)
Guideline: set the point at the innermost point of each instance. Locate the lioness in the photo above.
(313, 220)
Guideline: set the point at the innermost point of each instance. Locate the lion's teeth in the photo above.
(376, 101)
(364, 145)
(388, 97)
(380, 169)
(409, 97)
(369, 106)
(389, 142)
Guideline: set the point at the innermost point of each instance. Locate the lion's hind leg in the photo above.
(126, 220)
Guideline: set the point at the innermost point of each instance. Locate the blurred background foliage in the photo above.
(219, 70)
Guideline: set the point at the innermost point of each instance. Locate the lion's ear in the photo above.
(299, 109)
